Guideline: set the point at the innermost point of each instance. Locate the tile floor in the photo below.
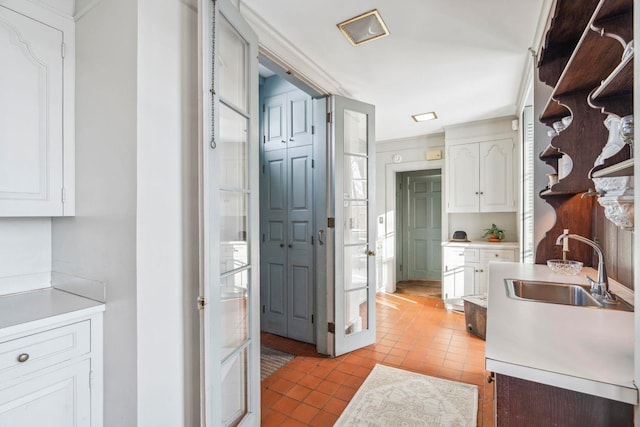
(414, 333)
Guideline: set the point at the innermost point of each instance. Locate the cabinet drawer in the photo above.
(471, 255)
(453, 257)
(498, 255)
(30, 353)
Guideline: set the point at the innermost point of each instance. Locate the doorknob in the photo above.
(371, 253)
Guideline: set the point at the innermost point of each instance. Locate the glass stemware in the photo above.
(626, 131)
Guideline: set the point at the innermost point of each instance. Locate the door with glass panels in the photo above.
(352, 168)
(230, 215)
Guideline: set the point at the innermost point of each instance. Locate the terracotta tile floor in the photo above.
(414, 333)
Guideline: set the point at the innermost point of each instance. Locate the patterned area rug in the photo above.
(271, 360)
(394, 397)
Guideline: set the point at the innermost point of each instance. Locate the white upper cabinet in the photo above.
(480, 177)
(36, 112)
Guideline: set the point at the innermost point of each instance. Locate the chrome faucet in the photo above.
(599, 287)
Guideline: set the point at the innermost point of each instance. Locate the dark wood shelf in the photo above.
(550, 152)
(615, 94)
(595, 56)
(551, 193)
(563, 33)
(624, 168)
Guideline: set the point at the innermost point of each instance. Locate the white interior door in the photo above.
(352, 160)
(230, 217)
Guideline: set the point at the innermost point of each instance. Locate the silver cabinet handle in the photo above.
(321, 237)
(23, 357)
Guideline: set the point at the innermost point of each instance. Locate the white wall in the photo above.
(25, 254)
(100, 241)
(413, 154)
(167, 214)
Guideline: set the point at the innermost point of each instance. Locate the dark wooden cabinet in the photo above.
(525, 403)
(585, 60)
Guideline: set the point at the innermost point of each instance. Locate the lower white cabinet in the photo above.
(466, 266)
(51, 375)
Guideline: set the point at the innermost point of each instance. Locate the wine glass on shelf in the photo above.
(626, 131)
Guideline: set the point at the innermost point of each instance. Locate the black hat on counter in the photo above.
(459, 236)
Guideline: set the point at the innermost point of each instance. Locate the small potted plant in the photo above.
(494, 233)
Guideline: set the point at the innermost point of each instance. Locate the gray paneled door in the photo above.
(422, 231)
(287, 247)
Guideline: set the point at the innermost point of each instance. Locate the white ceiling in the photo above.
(463, 59)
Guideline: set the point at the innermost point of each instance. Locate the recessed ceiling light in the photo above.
(364, 28)
(424, 116)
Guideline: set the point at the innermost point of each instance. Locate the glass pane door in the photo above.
(354, 165)
(230, 218)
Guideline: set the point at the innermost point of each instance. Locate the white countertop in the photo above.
(482, 244)
(32, 309)
(589, 350)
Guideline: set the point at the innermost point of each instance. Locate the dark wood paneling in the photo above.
(526, 403)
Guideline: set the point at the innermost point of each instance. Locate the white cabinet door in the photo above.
(462, 178)
(31, 117)
(496, 176)
(480, 177)
(57, 397)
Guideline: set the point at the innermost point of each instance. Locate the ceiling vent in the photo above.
(364, 28)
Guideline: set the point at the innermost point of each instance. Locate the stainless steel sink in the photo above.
(558, 293)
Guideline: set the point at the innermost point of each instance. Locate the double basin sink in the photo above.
(559, 293)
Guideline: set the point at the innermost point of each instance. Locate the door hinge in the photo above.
(63, 50)
(201, 303)
(329, 117)
(90, 379)
(63, 195)
(264, 108)
(313, 130)
(313, 163)
(401, 186)
(331, 328)
(263, 238)
(312, 240)
(331, 222)
(264, 139)
(263, 308)
(264, 168)
(312, 319)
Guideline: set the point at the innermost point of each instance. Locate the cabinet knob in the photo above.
(290, 245)
(497, 255)
(477, 192)
(282, 245)
(371, 253)
(283, 141)
(291, 139)
(482, 192)
(490, 378)
(23, 357)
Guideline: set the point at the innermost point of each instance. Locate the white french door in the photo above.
(352, 204)
(230, 217)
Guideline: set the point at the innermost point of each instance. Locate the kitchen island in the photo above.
(553, 347)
